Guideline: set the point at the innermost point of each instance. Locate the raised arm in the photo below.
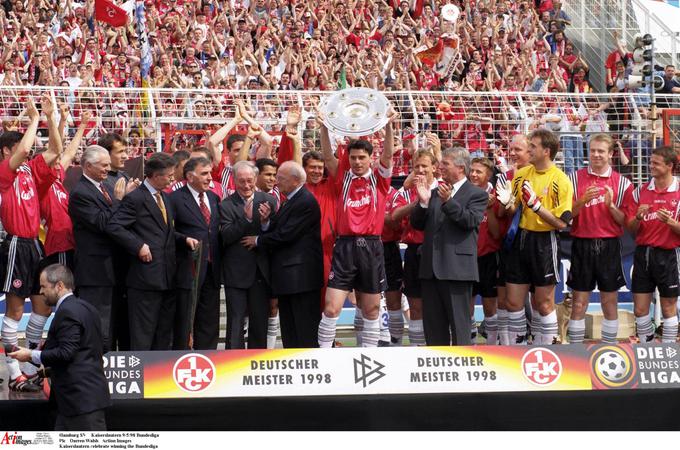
(72, 148)
(388, 147)
(54, 146)
(23, 150)
(221, 134)
(330, 160)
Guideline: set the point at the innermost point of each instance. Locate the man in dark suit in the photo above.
(294, 242)
(117, 147)
(91, 205)
(197, 215)
(73, 351)
(143, 225)
(245, 272)
(450, 216)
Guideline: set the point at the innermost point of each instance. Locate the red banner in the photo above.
(432, 55)
(106, 11)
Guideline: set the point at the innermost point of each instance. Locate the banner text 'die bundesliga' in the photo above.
(406, 370)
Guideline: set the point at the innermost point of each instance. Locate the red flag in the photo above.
(106, 11)
(432, 55)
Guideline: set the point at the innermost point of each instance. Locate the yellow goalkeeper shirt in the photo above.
(554, 191)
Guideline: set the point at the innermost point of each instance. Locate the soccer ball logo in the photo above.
(612, 366)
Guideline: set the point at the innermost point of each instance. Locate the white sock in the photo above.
(416, 335)
(576, 331)
(327, 328)
(10, 340)
(492, 330)
(396, 326)
(536, 326)
(549, 332)
(670, 329)
(517, 327)
(358, 325)
(371, 333)
(503, 326)
(34, 332)
(272, 331)
(645, 329)
(384, 323)
(610, 328)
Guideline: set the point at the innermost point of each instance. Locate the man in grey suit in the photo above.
(245, 272)
(450, 216)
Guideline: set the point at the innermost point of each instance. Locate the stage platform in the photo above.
(565, 387)
(518, 411)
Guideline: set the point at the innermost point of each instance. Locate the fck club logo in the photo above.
(194, 372)
(541, 366)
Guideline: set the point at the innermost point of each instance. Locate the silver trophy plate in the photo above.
(355, 112)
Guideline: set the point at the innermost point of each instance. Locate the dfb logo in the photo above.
(367, 373)
(541, 366)
(133, 361)
(193, 372)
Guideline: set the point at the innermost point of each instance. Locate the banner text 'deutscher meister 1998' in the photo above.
(407, 370)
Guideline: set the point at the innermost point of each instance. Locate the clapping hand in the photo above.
(530, 197)
(504, 193)
(424, 192)
(265, 211)
(445, 190)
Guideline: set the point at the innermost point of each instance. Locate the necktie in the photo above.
(161, 206)
(204, 208)
(106, 195)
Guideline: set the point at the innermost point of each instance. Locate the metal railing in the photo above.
(483, 122)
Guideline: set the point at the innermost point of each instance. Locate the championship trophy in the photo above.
(450, 12)
(355, 112)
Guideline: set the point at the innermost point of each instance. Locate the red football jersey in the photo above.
(19, 192)
(390, 234)
(54, 209)
(327, 197)
(407, 196)
(485, 242)
(653, 232)
(594, 221)
(225, 175)
(362, 201)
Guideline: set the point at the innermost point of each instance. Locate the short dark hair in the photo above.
(9, 139)
(548, 140)
(109, 139)
(181, 155)
(669, 155)
(312, 154)
(193, 163)
(59, 272)
(234, 138)
(158, 162)
(360, 144)
(205, 151)
(264, 162)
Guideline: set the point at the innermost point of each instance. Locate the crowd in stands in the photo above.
(305, 44)
(493, 45)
